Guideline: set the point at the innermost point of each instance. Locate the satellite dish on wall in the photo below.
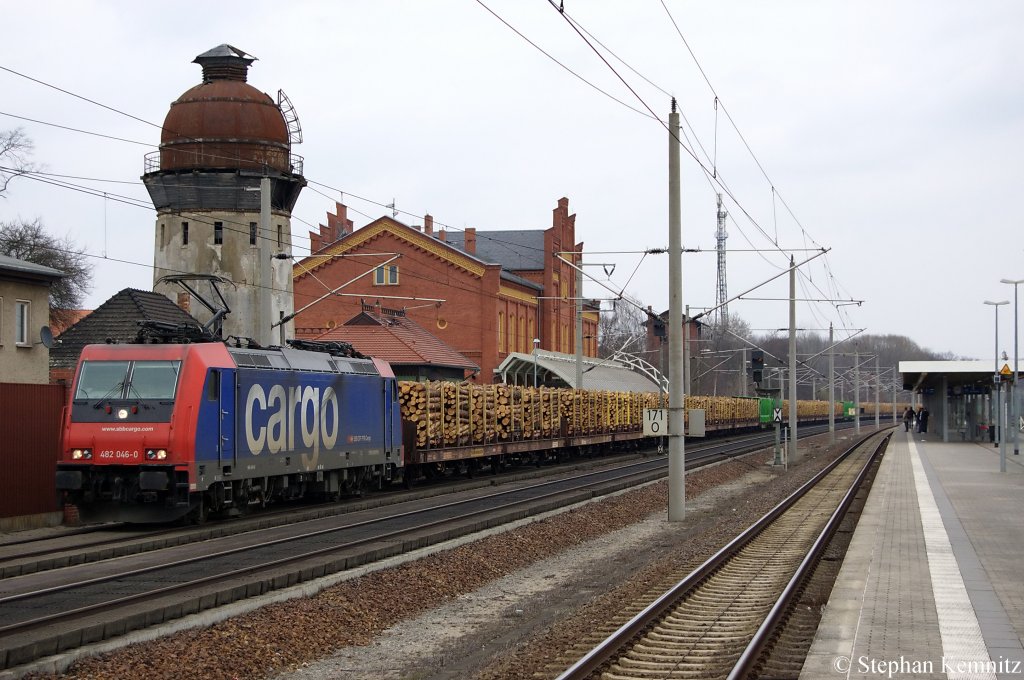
(46, 337)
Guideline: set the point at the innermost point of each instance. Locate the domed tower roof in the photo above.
(224, 123)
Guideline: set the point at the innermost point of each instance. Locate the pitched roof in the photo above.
(515, 250)
(397, 339)
(12, 265)
(116, 320)
(68, 318)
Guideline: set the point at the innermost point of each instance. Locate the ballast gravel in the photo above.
(510, 605)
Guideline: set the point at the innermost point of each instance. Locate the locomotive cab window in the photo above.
(101, 378)
(128, 380)
(153, 380)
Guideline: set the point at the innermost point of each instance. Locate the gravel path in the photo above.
(505, 606)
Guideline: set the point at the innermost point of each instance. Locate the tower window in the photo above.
(163, 235)
(218, 233)
(252, 233)
(280, 231)
(184, 233)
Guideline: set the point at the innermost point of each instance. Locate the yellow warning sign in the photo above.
(1005, 370)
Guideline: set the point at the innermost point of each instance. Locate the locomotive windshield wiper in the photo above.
(118, 387)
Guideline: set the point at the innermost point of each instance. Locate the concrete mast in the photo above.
(676, 394)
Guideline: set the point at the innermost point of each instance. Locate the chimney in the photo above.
(185, 302)
(470, 244)
(224, 62)
(442, 235)
(428, 224)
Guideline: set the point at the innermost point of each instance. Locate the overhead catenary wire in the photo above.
(164, 129)
(713, 174)
(481, 235)
(713, 170)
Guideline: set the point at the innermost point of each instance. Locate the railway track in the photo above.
(94, 544)
(719, 620)
(49, 612)
(44, 613)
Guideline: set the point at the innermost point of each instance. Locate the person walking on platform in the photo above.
(922, 420)
(908, 419)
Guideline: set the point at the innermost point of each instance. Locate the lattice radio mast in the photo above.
(722, 314)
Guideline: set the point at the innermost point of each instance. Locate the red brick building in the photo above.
(498, 289)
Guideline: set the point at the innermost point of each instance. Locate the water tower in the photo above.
(224, 183)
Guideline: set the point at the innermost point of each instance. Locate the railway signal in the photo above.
(757, 365)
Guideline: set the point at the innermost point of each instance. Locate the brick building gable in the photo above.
(386, 225)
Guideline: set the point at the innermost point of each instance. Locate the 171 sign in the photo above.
(655, 422)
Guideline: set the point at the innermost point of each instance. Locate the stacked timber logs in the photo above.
(739, 410)
(448, 414)
(464, 414)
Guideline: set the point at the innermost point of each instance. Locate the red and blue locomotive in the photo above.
(159, 432)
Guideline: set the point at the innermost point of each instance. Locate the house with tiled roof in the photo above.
(116, 320)
(414, 354)
(24, 311)
(485, 294)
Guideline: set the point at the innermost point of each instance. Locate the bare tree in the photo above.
(15, 151)
(623, 326)
(29, 241)
(717, 362)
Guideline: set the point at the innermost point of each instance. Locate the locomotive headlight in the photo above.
(79, 454)
(122, 413)
(156, 454)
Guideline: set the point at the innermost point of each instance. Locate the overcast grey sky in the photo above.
(891, 132)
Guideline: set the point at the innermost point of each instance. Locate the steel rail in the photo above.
(750, 656)
(27, 625)
(647, 467)
(46, 559)
(610, 647)
(51, 558)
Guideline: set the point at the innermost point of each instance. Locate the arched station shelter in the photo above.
(962, 396)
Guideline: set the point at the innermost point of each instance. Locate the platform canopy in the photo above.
(555, 369)
(963, 376)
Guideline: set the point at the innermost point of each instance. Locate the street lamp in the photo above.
(999, 390)
(536, 344)
(1014, 409)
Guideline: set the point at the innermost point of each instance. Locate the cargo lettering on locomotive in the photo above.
(272, 418)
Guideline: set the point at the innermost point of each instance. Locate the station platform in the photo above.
(933, 582)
